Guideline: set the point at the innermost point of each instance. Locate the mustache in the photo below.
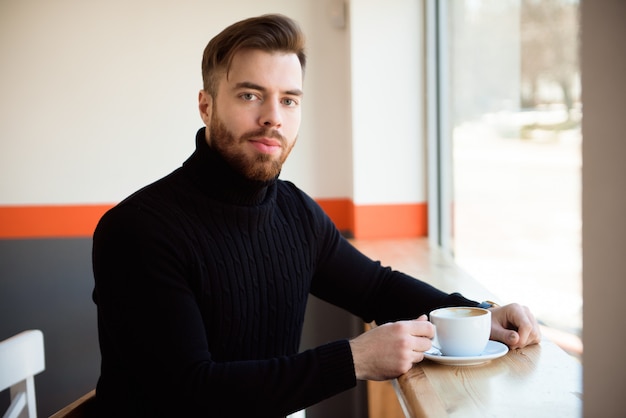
(262, 132)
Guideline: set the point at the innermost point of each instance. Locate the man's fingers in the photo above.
(421, 327)
(515, 326)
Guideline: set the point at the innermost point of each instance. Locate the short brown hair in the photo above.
(270, 33)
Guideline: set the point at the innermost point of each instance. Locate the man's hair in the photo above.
(269, 33)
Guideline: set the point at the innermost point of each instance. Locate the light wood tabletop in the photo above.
(536, 381)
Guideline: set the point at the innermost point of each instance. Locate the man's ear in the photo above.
(205, 106)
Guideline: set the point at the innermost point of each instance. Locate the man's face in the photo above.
(254, 119)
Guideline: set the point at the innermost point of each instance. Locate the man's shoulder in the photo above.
(160, 190)
(155, 197)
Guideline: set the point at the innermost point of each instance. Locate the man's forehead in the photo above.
(253, 65)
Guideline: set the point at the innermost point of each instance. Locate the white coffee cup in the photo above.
(461, 331)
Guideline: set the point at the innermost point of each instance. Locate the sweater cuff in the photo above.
(457, 299)
(338, 372)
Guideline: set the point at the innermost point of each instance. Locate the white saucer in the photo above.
(493, 350)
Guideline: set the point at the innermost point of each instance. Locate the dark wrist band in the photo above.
(486, 304)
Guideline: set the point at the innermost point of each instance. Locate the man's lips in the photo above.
(266, 145)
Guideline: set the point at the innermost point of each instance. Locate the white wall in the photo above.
(99, 98)
(387, 101)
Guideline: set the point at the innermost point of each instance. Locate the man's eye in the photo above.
(290, 102)
(248, 96)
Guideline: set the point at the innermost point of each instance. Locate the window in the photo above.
(507, 141)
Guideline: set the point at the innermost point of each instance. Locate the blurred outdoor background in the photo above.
(515, 112)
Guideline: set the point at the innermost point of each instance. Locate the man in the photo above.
(202, 278)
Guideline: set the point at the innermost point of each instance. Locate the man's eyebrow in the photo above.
(253, 86)
(249, 85)
(296, 92)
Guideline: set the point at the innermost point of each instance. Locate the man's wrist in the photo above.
(487, 304)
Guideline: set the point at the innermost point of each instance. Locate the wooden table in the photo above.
(537, 381)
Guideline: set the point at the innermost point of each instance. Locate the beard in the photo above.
(259, 167)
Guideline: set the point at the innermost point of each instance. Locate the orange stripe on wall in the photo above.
(50, 221)
(391, 221)
(365, 222)
(377, 221)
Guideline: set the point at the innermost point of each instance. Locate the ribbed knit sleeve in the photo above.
(349, 279)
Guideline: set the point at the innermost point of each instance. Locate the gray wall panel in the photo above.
(46, 285)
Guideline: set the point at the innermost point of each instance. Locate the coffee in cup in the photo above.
(461, 331)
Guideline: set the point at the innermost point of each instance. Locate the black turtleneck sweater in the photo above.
(201, 284)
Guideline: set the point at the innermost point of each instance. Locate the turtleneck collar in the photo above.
(218, 180)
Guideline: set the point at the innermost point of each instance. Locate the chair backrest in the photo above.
(21, 358)
(83, 407)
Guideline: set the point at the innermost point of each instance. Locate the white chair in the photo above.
(21, 358)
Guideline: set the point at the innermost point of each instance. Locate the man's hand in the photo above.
(514, 325)
(390, 350)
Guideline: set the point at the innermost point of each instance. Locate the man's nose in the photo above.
(270, 114)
